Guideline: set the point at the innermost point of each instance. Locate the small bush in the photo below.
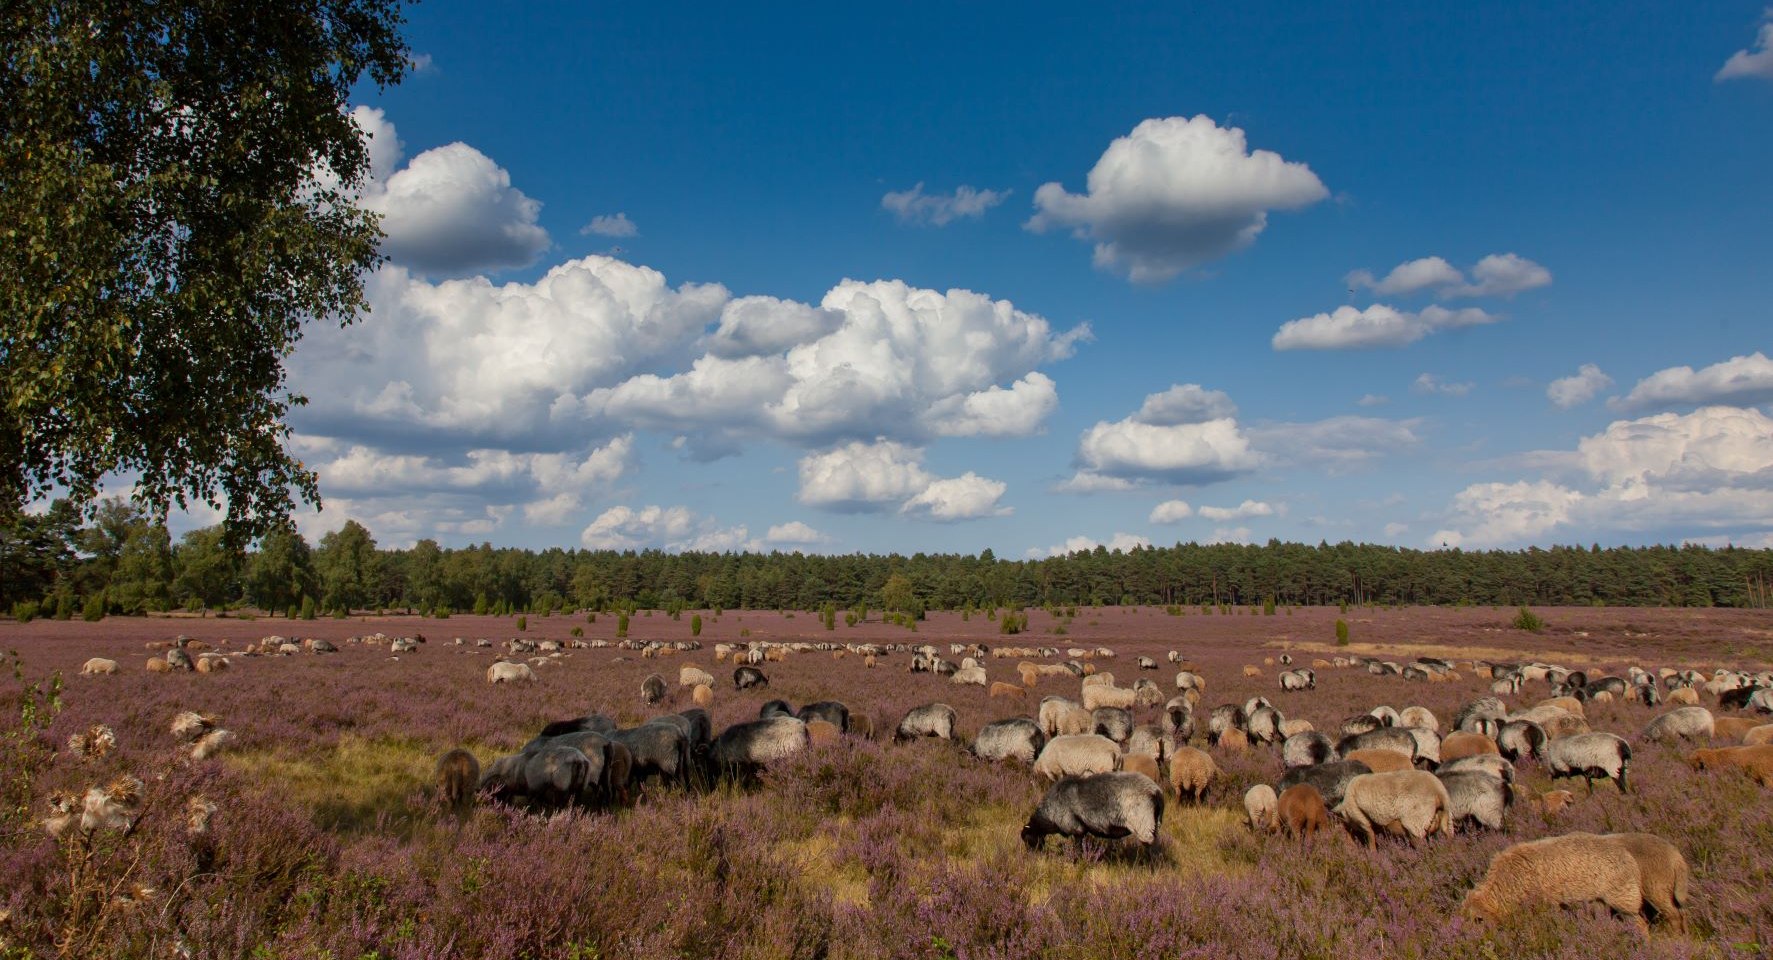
(695, 624)
(25, 611)
(849, 618)
(309, 611)
(1341, 632)
(94, 609)
(1527, 620)
(577, 631)
(744, 631)
(590, 618)
(621, 624)
(523, 623)
(1268, 607)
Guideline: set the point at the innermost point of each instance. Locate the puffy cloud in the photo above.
(1575, 391)
(359, 470)
(1189, 453)
(1431, 384)
(884, 475)
(1243, 511)
(1377, 325)
(1124, 542)
(1709, 469)
(1175, 193)
(1337, 442)
(793, 532)
(624, 528)
(1396, 529)
(1171, 511)
(874, 359)
(450, 211)
(1186, 403)
(939, 209)
(1497, 275)
(1745, 381)
(610, 225)
(1083, 481)
(1757, 59)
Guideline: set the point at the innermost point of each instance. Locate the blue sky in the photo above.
(663, 275)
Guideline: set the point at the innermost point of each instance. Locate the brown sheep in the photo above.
(702, 695)
(157, 665)
(1252, 671)
(1662, 875)
(821, 733)
(1006, 690)
(1567, 725)
(1569, 705)
(1463, 744)
(1757, 760)
(1552, 802)
(868, 661)
(862, 725)
(1733, 728)
(1234, 741)
(1260, 809)
(1758, 736)
(1320, 664)
(212, 664)
(1030, 674)
(1381, 761)
(1686, 696)
(458, 776)
(1192, 772)
(1301, 810)
(1140, 763)
(1576, 868)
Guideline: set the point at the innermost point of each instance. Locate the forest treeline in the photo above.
(119, 562)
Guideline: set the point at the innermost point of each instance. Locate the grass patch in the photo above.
(360, 786)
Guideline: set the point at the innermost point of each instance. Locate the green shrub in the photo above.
(744, 631)
(696, 625)
(94, 609)
(577, 631)
(1527, 620)
(1268, 607)
(1341, 633)
(25, 611)
(64, 606)
(441, 612)
(1343, 608)
(849, 618)
(590, 618)
(309, 611)
(523, 623)
(621, 625)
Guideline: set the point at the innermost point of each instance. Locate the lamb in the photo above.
(1192, 772)
(457, 777)
(1305, 749)
(1112, 722)
(1412, 802)
(1756, 760)
(1262, 808)
(1591, 756)
(702, 695)
(1301, 810)
(1572, 869)
(1017, 738)
(1331, 779)
(505, 671)
(1681, 723)
(1662, 876)
(1109, 805)
(1521, 738)
(98, 666)
(1076, 755)
(1476, 797)
(744, 747)
(744, 678)
(653, 689)
(930, 720)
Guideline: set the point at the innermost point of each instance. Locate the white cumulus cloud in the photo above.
(1497, 275)
(1409, 277)
(1186, 403)
(1243, 511)
(1431, 384)
(793, 532)
(939, 209)
(1757, 59)
(1123, 542)
(610, 225)
(1577, 390)
(1188, 454)
(1744, 381)
(886, 475)
(1337, 443)
(1175, 193)
(1171, 511)
(1376, 325)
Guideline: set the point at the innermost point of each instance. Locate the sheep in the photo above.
(1756, 760)
(1099, 680)
(1681, 723)
(1758, 736)
(558, 775)
(702, 695)
(1382, 761)
(1109, 805)
(1151, 741)
(775, 708)
(1462, 744)
(1146, 693)
(1112, 722)
(1419, 717)
(1295, 680)
(1683, 695)
(1189, 680)
(1489, 763)
(660, 747)
(1252, 671)
(744, 678)
(98, 666)
(1226, 716)
(1178, 719)
(178, 659)
(505, 671)
(743, 747)
(457, 777)
(112, 807)
(1360, 723)
(1294, 727)
(1076, 755)
(1192, 772)
(821, 733)
(1262, 808)
(1331, 779)
(973, 676)
(1100, 695)
(1385, 715)
(1060, 717)
(691, 676)
(618, 773)
(1142, 764)
(1305, 749)
(1662, 876)
(1476, 797)
(930, 720)
(1395, 739)
(1301, 810)
(1521, 738)
(1233, 741)
(1411, 802)
(653, 689)
(1591, 756)
(1575, 868)
(1552, 802)
(1733, 728)
(830, 711)
(1007, 691)
(1264, 725)
(157, 665)
(1147, 663)
(1470, 716)
(1254, 704)
(1017, 738)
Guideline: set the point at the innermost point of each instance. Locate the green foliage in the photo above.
(622, 624)
(1268, 607)
(576, 632)
(25, 611)
(1525, 619)
(897, 594)
(1341, 632)
(481, 605)
(168, 238)
(1342, 607)
(590, 618)
(523, 623)
(440, 612)
(94, 609)
(281, 571)
(348, 566)
(309, 608)
(1012, 622)
(28, 751)
(849, 618)
(695, 624)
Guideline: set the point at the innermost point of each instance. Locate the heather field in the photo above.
(327, 838)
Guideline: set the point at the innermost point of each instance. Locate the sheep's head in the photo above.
(1477, 906)
(1032, 836)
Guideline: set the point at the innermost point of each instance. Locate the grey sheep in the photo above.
(1112, 722)
(1489, 763)
(1108, 805)
(775, 708)
(1331, 779)
(1411, 802)
(1146, 693)
(1264, 725)
(744, 678)
(930, 720)
(1471, 717)
(1395, 739)
(1521, 738)
(1681, 723)
(660, 749)
(556, 776)
(1306, 749)
(744, 747)
(1178, 719)
(653, 689)
(1017, 738)
(1152, 741)
(1360, 723)
(830, 711)
(1591, 756)
(1476, 797)
(1226, 716)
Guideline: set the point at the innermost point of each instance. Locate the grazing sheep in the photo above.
(1662, 876)
(1017, 738)
(1573, 869)
(157, 665)
(1411, 802)
(557, 775)
(1591, 756)
(1301, 810)
(1225, 717)
(1681, 723)
(1756, 760)
(930, 720)
(1420, 718)
(1102, 695)
(1189, 680)
(1112, 722)
(1489, 763)
(1475, 797)
(660, 747)
(775, 708)
(1733, 728)
(702, 695)
(1076, 755)
(1396, 739)
(457, 777)
(1305, 749)
(1252, 705)
(744, 678)
(821, 733)
(1331, 779)
(1152, 741)
(98, 666)
(1007, 691)
(1146, 693)
(1252, 671)
(112, 807)
(1521, 738)
(1360, 723)
(1758, 736)
(178, 659)
(1108, 805)
(1262, 808)
(1139, 763)
(1686, 695)
(653, 689)
(1178, 719)
(689, 676)
(744, 747)
(1264, 725)
(1385, 715)
(1463, 744)
(1147, 663)
(505, 671)
(1569, 705)
(1233, 741)
(974, 676)
(1292, 681)
(503, 778)
(1382, 761)
(1294, 727)
(1192, 772)
(1472, 714)
(1061, 717)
